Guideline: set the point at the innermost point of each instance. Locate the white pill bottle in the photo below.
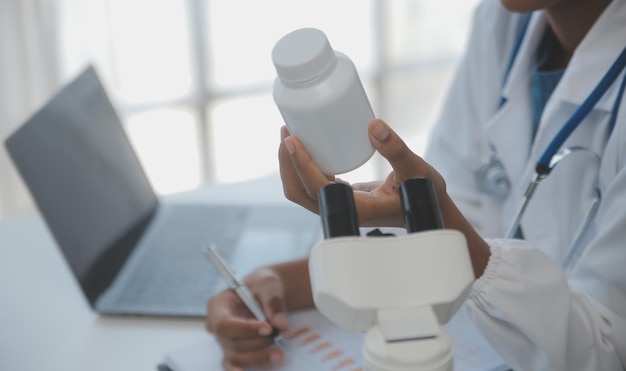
(322, 101)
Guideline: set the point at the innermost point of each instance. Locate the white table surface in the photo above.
(47, 324)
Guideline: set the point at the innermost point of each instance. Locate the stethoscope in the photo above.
(492, 175)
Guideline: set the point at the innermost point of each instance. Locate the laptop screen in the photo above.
(82, 172)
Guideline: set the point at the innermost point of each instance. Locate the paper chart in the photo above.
(316, 344)
(320, 345)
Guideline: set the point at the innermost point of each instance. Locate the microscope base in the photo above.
(432, 354)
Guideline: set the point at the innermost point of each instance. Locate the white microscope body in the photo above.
(398, 290)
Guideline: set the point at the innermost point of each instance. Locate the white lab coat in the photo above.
(535, 315)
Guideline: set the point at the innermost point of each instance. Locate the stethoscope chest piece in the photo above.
(491, 177)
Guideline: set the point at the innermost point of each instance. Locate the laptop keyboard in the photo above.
(167, 272)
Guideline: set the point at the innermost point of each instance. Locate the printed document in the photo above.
(316, 344)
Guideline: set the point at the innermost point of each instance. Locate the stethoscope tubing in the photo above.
(532, 186)
(522, 207)
(550, 157)
(585, 108)
(543, 168)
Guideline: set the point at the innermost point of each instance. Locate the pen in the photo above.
(216, 259)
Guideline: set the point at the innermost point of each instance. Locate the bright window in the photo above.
(192, 78)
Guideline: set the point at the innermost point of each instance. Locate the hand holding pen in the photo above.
(240, 289)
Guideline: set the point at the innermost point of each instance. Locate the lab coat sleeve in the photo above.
(537, 317)
(525, 308)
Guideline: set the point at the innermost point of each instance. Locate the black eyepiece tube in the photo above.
(338, 211)
(420, 207)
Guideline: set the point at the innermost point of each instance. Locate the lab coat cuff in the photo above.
(490, 274)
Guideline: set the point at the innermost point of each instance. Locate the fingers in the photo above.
(232, 327)
(293, 187)
(367, 186)
(266, 358)
(312, 177)
(252, 344)
(244, 340)
(229, 318)
(277, 312)
(270, 293)
(246, 352)
(404, 162)
(378, 203)
(301, 177)
(227, 366)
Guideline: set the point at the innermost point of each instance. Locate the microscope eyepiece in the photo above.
(420, 207)
(338, 211)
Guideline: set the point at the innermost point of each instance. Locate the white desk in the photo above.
(47, 324)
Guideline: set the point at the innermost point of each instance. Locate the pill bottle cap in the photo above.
(302, 55)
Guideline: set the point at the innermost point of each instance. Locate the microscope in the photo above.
(398, 290)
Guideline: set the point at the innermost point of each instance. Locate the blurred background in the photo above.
(192, 79)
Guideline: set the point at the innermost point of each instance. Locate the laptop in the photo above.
(131, 252)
